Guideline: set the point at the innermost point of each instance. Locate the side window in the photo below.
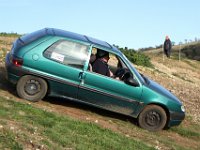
(109, 64)
(68, 53)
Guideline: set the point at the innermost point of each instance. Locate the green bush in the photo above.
(137, 58)
(4, 34)
(192, 51)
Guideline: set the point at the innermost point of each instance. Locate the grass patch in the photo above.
(189, 129)
(62, 131)
(186, 132)
(7, 140)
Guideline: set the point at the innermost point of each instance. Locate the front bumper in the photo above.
(176, 118)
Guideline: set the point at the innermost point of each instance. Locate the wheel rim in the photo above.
(153, 118)
(32, 87)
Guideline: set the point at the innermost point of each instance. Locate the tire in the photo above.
(152, 118)
(31, 88)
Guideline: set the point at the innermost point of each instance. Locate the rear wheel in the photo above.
(31, 88)
(152, 118)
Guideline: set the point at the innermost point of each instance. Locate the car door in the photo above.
(109, 93)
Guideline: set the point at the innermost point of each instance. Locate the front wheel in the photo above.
(31, 88)
(152, 118)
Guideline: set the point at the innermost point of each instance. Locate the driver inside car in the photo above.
(100, 65)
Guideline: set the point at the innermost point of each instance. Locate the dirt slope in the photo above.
(181, 77)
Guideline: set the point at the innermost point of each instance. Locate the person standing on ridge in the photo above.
(167, 46)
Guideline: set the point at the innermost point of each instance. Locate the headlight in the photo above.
(183, 108)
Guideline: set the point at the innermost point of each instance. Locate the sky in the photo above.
(127, 23)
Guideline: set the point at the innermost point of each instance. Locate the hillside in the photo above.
(181, 77)
(22, 127)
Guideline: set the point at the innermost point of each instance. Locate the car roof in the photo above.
(58, 32)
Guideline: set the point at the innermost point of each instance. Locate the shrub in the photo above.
(137, 58)
(192, 51)
(4, 34)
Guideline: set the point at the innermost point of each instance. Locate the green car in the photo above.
(64, 64)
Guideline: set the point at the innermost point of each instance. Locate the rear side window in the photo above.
(68, 53)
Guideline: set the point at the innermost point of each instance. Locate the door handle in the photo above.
(81, 77)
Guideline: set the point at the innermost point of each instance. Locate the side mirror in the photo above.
(132, 82)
